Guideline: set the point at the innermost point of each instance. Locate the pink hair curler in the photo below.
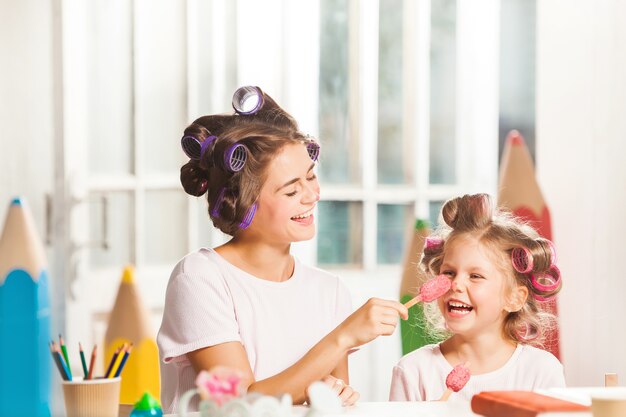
(542, 299)
(553, 250)
(432, 242)
(527, 333)
(522, 260)
(552, 275)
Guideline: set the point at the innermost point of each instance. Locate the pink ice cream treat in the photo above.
(435, 288)
(431, 290)
(457, 378)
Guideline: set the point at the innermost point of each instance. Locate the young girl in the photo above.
(249, 305)
(500, 270)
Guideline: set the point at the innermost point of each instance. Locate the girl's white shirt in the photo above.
(210, 301)
(421, 375)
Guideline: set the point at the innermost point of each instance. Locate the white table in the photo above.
(390, 409)
(446, 409)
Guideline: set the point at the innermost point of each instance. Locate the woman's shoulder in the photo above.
(202, 264)
(197, 260)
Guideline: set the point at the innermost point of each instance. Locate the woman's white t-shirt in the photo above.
(210, 301)
(421, 375)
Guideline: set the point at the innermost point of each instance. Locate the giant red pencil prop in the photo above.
(519, 193)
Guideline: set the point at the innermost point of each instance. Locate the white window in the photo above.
(402, 95)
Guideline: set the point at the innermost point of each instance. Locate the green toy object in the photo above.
(147, 406)
(413, 330)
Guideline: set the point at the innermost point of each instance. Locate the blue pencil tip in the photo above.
(16, 201)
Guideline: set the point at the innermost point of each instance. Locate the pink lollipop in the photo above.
(456, 380)
(431, 290)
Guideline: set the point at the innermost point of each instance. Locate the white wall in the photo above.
(581, 155)
(25, 104)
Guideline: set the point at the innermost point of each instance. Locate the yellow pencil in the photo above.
(108, 372)
(120, 358)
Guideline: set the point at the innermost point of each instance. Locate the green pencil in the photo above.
(67, 359)
(82, 359)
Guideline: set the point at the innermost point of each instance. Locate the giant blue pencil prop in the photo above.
(24, 318)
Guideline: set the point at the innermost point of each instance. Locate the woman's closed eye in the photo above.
(313, 177)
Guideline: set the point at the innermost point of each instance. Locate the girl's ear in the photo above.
(517, 299)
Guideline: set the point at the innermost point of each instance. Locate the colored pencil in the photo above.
(108, 372)
(82, 360)
(67, 359)
(116, 365)
(123, 362)
(92, 362)
(58, 359)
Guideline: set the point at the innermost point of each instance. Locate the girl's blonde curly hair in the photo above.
(501, 232)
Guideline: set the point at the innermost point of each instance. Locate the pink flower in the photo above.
(220, 385)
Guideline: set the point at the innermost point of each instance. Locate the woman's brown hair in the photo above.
(264, 134)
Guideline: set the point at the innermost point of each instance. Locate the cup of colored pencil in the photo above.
(88, 395)
(99, 397)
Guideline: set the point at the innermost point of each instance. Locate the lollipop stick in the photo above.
(413, 301)
(446, 395)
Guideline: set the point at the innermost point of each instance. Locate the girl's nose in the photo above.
(457, 286)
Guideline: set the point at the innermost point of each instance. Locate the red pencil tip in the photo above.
(515, 138)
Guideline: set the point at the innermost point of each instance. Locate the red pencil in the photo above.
(92, 362)
(520, 193)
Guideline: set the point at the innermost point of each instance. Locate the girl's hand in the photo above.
(345, 392)
(375, 318)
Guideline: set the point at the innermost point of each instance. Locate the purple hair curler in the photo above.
(215, 211)
(552, 275)
(247, 219)
(235, 157)
(522, 260)
(248, 100)
(313, 149)
(193, 148)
